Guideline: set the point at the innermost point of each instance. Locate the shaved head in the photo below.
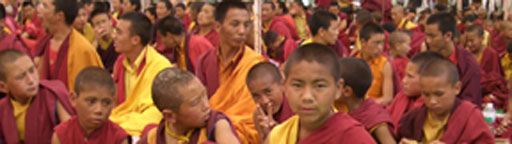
(424, 57)
(262, 69)
(314, 52)
(166, 85)
(91, 78)
(440, 68)
(8, 56)
(357, 74)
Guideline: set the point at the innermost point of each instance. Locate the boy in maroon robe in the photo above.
(100, 20)
(502, 36)
(278, 47)
(271, 22)
(487, 57)
(32, 107)
(264, 81)
(357, 79)
(93, 99)
(206, 23)
(183, 101)
(443, 118)
(324, 27)
(440, 30)
(400, 47)
(10, 41)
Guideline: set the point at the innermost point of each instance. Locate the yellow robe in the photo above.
(81, 54)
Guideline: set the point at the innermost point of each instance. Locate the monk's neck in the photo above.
(317, 39)
(267, 23)
(61, 33)
(368, 58)
(177, 130)
(22, 101)
(227, 53)
(132, 56)
(86, 130)
(353, 104)
(306, 128)
(448, 51)
(204, 30)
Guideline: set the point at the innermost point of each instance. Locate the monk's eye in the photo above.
(106, 102)
(296, 85)
(439, 93)
(268, 91)
(91, 101)
(31, 70)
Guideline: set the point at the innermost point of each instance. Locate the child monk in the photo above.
(264, 82)
(187, 117)
(32, 107)
(486, 57)
(312, 84)
(94, 98)
(400, 47)
(410, 97)
(357, 79)
(278, 47)
(444, 118)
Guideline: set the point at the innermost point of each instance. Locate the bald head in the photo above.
(6, 57)
(314, 52)
(263, 69)
(357, 74)
(424, 57)
(166, 85)
(397, 9)
(91, 78)
(440, 68)
(398, 37)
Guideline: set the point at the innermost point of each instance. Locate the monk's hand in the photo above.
(270, 113)
(407, 141)
(504, 125)
(264, 122)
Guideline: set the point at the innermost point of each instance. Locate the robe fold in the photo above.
(371, 114)
(465, 124)
(400, 64)
(41, 116)
(10, 41)
(383, 6)
(199, 136)
(213, 37)
(135, 108)
(280, 27)
(290, 24)
(490, 62)
(231, 97)
(283, 51)
(401, 104)
(339, 128)
(70, 132)
(108, 56)
(417, 39)
(469, 73)
(195, 46)
(75, 53)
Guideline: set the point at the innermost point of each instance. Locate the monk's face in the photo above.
(127, 6)
(46, 11)
(403, 48)
(21, 78)
(80, 20)
(474, 42)
(116, 4)
(436, 40)
(311, 91)
(330, 35)
(124, 39)
(374, 45)
(438, 94)
(234, 29)
(195, 109)
(267, 92)
(411, 80)
(179, 12)
(93, 106)
(102, 25)
(267, 13)
(161, 10)
(205, 16)
(334, 9)
(397, 14)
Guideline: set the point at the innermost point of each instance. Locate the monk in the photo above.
(444, 118)
(117, 8)
(281, 12)
(162, 10)
(410, 97)
(312, 84)
(486, 57)
(32, 26)
(181, 13)
(32, 107)
(401, 22)
(224, 70)
(271, 22)
(93, 99)
(440, 29)
(324, 27)
(100, 20)
(506, 62)
(300, 17)
(194, 9)
(82, 25)
(385, 84)
(502, 36)
(400, 47)
(11, 41)
(187, 117)
(134, 72)
(278, 47)
(63, 52)
(205, 21)
(182, 49)
(130, 6)
(264, 81)
(357, 78)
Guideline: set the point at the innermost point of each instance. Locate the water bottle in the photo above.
(489, 115)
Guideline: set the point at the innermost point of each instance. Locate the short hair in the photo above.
(300, 3)
(165, 90)
(136, 3)
(377, 16)
(321, 19)
(470, 18)
(140, 25)
(424, 57)
(151, 10)
(509, 47)
(181, 5)
(314, 52)
(170, 24)
(270, 37)
(282, 5)
(476, 28)
(440, 68)
(196, 6)
(445, 22)
(91, 78)
(272, 5)
(2, 11)
(363, 17)
(357, 74)
(397, 37)
(334, 3)
(8, 56)
(261, 69)
(222, 9)
(389, 26)
(168, 4)
(370, 29)
(440, 8)
(27, 3)
(98, 11)
(69, 8)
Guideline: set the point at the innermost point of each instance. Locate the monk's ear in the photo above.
(3, 87)
(458, 87)
(339, 88)
(135, 40)
(216, 25)
(73, 98)
(448, 35)
(169, 116)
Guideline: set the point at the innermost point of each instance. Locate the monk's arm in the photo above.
(387, 85)
(261, 134)
(383, 135)
(62, 113)
(55, 139)
(224, 133)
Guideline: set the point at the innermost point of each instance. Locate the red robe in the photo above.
(400, 64)
(214, 38)
(285, 112)
(339, 128)
(70, 132)
(383, 6)
(195, 46)
(280, 27)
(290, 24)
(490, 62)
(41, 116)
(215, 116)
(283, 51)
(469, 73)
(323, 3)
(186, 21)
(417, 40)
(108, 57)
(9, 41)
(499, 43)
(371, 114)
(34, 28)
(465, 125)
(402, 104)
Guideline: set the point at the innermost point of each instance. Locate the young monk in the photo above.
(183, 101)
(486, 57)
(440, 30)
(271, 22)
(312, 84)
(410, 97)
(264, 81)
(324, 27)
(357, 78)
(205, 21)
(130, 6)
(399, 43)
(278, 47)
(63, 52)
(10, 41)
(224, 70)
(82, 25)
(443, 118)
(182, 48)
(117, 8)
(384, 84)
(502, 36)
(134, 71)
(94, 98)
(32, 107)
(100, 20)
(400, 20)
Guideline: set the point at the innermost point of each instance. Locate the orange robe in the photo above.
(377, 65)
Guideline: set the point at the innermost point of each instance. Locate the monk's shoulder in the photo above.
(117, 131)
(253, 56)
(344, 121)
(66, 127)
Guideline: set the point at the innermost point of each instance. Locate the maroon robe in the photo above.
(402, 104)
(108, 56)
(417, 40)
(323, 3)
(465, 125)
(283, 51)
(215, 116)
(70, 132)
(41, 116)
(383, 6)
(499, 43)
(339, 128)
(214, 38)
(9, 41)
(60, 71)
(195, 46)
(469, 73)
(290, 24)
(285, 112)
(371, 114)
(400, 64)
(280, 27)
(491, 62)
